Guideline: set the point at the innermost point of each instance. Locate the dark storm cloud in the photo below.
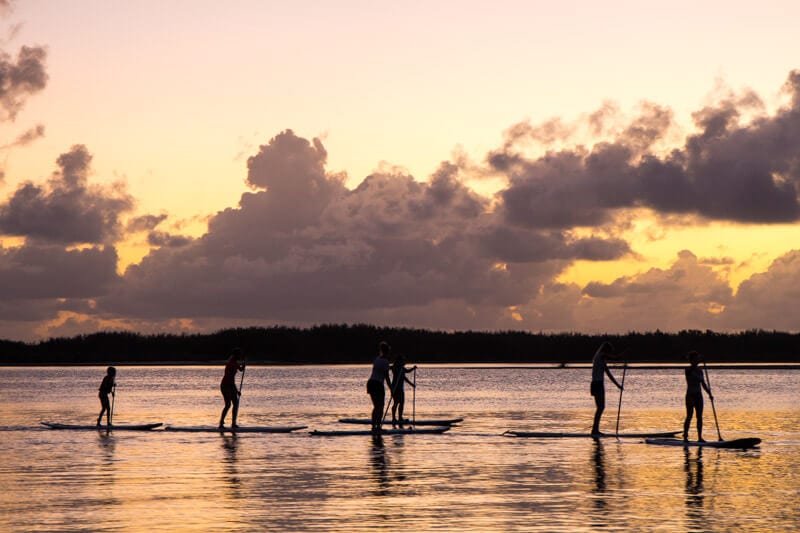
(305, 247)
(41, 272)
(68, 210)
(729, 170)
(20, 78)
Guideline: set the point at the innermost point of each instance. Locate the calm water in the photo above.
(471, 478)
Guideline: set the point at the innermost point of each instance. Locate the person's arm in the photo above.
(611, 377)
(705, 386)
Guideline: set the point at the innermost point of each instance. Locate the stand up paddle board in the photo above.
(404, 431)
(406, 421)
(103, 427)
(556, 435)
(245, 429)
(743, 444)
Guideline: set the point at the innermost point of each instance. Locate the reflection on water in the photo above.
(693, 466)
(471, 478)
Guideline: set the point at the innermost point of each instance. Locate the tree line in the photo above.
(341, 343)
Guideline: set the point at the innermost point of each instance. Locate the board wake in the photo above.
(560, 435)
(398, 431)
(406, 421)
(103, 427)
(242, 429)
(743, 444)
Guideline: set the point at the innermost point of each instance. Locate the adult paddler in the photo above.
(380, 374)
(228, 387)
(695, 383)
(598, 388)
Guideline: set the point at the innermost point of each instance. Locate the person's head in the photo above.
(607, 348)
(236, 353)
(384, 349)
(693, 357)
(111, 371)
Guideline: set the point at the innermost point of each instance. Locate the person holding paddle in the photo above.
(598, 388)
(399, 376)
(695, 383)
(380, 374)
(107, 387)
(228, 388)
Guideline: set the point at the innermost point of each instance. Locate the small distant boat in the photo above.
(406, 421)
(560, 435)
(241, 429)
(103, 427)
(745, 443)
(397, 431)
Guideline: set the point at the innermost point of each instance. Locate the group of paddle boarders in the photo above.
(395, 375)
(380, 374)
(695, 384)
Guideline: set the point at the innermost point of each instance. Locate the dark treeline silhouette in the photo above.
(358, 344)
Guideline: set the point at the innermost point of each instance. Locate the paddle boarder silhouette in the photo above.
(695, 383)
(399, 377)
(228, 387)
(598, 388)
(380, 373)
(106, 387)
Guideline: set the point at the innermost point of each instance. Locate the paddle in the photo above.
(111, 411)
(621, 390)
(241, 379)
(711, 396)
(414, 401)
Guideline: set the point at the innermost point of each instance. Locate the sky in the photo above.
(187, 166)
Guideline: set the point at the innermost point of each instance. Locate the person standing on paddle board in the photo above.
(106, 388)
(598, 388)
(695, 383)
(380, 374)
(228, 387)
(399, 376)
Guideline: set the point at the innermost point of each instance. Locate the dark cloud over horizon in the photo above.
(732, 171)
(301, 247)
(68, 210)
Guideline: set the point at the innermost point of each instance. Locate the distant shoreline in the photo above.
(453, 365)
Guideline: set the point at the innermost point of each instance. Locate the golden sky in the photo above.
(494, 134)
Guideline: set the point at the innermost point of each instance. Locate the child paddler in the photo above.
(598, 388)
(695, 383)
(399, 377)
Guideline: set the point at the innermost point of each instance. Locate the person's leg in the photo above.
(401, 403)
(688, 420)
(394, 411)
(235, 401)
(699, 411)
(599, 394)
(228, 402)
(104, 407)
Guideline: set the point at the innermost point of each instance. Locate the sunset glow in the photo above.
(186, 166)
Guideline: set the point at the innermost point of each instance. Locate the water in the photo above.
(471, 478)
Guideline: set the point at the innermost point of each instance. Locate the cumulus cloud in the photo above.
(67, 210)
(768, 300)
(303, 247)
(145, 223)
(20, 78)
(731, 170)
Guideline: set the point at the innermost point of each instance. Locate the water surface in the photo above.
(471, 478)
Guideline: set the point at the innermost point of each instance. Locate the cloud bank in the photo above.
(301, 247)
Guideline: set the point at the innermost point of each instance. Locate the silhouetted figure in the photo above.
(695, 383)
(107, 387)
(598, 388)
(228, 387)
(380, 373)
(399, 377)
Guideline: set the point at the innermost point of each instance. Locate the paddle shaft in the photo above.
(414, 401)
(241, 379)
(711, 396)
(621, 390)
(113, 397)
